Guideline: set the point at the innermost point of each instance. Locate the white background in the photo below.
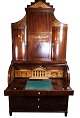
(66, 11)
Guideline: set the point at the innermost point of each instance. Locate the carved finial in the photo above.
(40, 0)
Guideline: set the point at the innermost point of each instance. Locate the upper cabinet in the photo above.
(39, 36)
(39, 31)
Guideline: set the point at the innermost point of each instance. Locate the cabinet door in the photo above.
(39, 47)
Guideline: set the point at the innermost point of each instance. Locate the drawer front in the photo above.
(49, 104)
(38, 104)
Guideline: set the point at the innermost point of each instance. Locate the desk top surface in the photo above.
(38, 85)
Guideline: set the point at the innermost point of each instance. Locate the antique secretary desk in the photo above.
(39, 77)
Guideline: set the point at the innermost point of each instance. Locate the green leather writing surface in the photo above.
(38, 85)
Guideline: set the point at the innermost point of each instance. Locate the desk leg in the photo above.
(10, 113)
(66, 114)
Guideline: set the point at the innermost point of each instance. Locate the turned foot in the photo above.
(10, 113)
(65, 114)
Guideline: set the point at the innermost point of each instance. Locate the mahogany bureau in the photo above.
(39, 76)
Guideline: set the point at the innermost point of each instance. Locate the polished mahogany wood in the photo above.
(55, 100)
(17, 87)
(46, 38)
(39, 42)
(38, 104)
(59, 42)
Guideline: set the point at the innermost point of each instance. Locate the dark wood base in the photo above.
(10, 113)
(38, 104)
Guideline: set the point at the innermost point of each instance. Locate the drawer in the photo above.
(38, 104)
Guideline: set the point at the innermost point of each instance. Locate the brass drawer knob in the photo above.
(39, 93)
(38, 106)
(38, 99)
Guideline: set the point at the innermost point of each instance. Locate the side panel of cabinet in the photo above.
(59, 39)
(19, 50)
